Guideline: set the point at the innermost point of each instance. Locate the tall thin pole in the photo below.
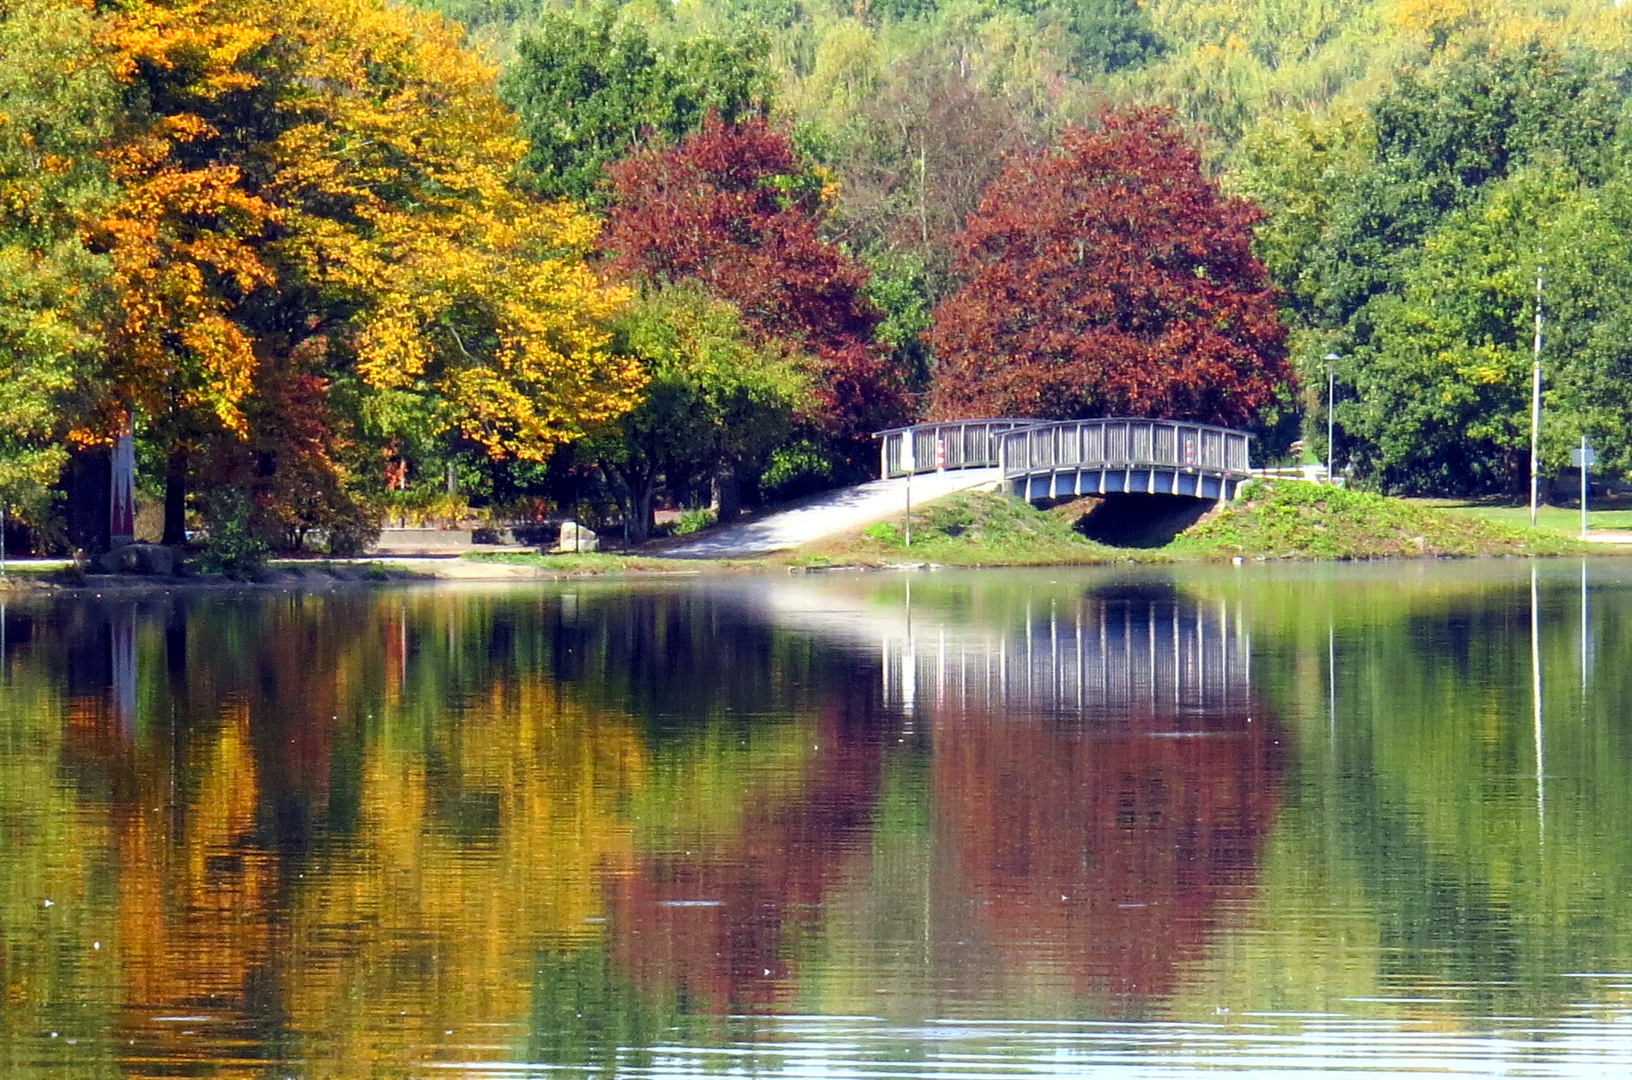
(1331, 439)
(1331, 401)
(1584, 468)
(909, 510)
(1535, 411)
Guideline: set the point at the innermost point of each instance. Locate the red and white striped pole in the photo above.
(122, 489)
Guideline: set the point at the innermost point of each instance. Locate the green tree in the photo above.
(1443, 384)
(55, 102)
(715, 403)
(1103, 36)
(587, 90)
(1438, 139)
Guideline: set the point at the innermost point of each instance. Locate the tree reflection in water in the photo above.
(373, 830)
(1108, 797)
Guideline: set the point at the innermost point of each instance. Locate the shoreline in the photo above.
(389, 572)
(1286, 521)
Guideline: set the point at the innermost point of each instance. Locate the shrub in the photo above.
(231, 546)
(691, 521)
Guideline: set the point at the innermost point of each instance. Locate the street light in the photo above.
(1535, 407)
(1331, 396)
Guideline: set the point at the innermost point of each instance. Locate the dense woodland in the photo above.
(333, 259)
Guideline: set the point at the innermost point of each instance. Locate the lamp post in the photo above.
(1535, 410)
(1331, 397)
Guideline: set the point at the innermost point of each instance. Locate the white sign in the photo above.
(1585, 456)
(907, 463)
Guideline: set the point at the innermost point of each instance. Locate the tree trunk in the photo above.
(175, 498)
(727, 494)
(639, 511)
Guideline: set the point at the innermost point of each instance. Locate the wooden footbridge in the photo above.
(1046, 459)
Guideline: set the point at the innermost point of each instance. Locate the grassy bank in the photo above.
(970, 529)
(1291, 519)
(1284, 520)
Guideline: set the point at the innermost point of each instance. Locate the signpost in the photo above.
(1584, 459)
(909, 464)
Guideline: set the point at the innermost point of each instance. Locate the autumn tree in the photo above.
(1110, 277)
(926, 147)
(733, 208)
(339, 206)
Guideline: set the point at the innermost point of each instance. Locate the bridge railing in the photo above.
(965, 444)
(1118, 443)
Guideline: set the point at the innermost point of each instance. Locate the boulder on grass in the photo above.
(154, 559)
(575, 537)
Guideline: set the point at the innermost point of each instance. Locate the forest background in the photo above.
(332, 259)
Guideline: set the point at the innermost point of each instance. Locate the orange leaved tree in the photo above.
(320, 189)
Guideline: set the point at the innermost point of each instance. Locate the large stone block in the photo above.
(575, 537)
(154, 559)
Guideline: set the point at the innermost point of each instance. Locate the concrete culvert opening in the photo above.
(1142, 521)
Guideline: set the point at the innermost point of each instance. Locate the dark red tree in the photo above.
(1109, 277)
(733, 207)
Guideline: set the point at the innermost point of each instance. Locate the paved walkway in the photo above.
(833, 512)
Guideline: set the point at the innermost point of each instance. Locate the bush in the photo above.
(231, 546)
(883, 532)
(691, 521)
(796, 470)
(354, 533)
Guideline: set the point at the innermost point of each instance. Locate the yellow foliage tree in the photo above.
(326, 184)
(470, 304)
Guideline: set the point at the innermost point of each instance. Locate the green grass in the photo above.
(1287, 519)
(1555, 519)
(1291, 519)
(971, 529)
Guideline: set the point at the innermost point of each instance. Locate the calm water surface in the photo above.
(1261, 820)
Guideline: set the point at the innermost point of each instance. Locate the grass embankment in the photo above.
(971, 529)
(1288, 519)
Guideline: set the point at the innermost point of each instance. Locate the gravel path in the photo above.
(833, 512)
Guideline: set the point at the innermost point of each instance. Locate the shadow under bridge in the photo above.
(1066, 458)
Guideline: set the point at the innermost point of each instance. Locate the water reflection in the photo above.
(634, 828)
(1100, 780)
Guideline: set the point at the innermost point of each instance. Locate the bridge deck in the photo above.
(1044, 459)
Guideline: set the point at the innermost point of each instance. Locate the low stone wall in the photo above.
(423, 542)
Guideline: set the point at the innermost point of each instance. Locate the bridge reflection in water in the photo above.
(1102, 782)
(1121, 656)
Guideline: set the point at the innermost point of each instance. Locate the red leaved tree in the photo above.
(1109, 277)
(733, 208)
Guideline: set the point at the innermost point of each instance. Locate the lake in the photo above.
(1338, 819)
